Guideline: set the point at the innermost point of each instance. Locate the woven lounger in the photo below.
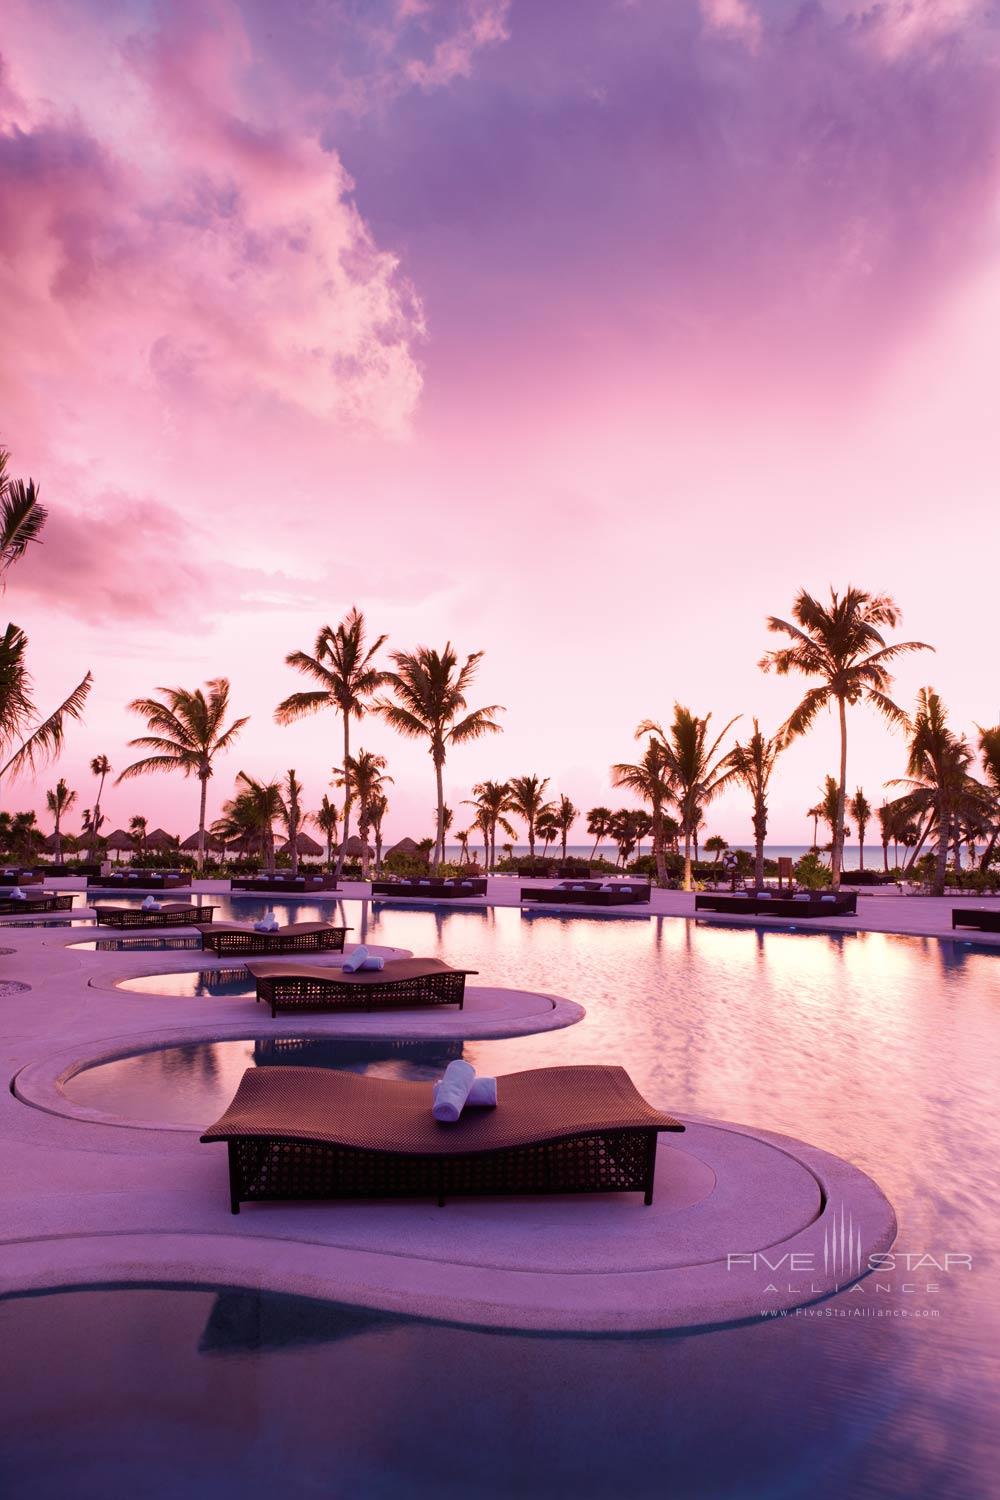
(298, 937)
(33, 905)
(559, 895)
(174, 914)
(265, 885)
(970, 916)
(402, 983)
(320, 1133)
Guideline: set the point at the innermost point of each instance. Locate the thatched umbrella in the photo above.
(355, 847)
(303, 845)
(161, 841)
(121, 842)
(409, 848)
(212, 843)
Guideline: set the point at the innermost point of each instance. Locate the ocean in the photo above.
(852, 861)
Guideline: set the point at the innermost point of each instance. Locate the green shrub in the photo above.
(811, 873)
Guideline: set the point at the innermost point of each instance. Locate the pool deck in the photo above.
(86, 1196)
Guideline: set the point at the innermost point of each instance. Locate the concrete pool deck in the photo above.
(741, 1226)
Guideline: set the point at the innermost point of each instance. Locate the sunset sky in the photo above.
(580, 332)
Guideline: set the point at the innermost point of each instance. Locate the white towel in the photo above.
(17, 894)
(373, 962)
(151, 904)
(355, 960)
(482, 1094)
(267, 923)
(453, 1091)
(828, 898)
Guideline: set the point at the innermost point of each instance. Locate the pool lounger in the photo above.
(276, 885)
(35, 905)
(173, 914)
(971, 916)
(574, 893)
(320, 1133)
(402, 983)
(232, 940)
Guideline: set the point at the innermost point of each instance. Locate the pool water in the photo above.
(880, 1049)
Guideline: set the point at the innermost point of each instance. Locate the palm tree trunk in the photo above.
(531, 838)
(909, 863)
(347, 797)
(565, 836)
(92, 850)
(861, 846)
(658, 852)
(885, 855)
(687, 859)
(984, 863)
(363, 831)
(439, 779)
(203, 805)
(59, 856)
(837, 854)
(759, 834)
(941, 857)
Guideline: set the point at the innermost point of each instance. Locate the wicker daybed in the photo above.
(844, 904)
(400, 984)
(321, 1133)
(230, 940)
(436, 890)
(577, 893)
(10, 878)
(39, 904)
(141, 881)
(280, 885)
(173, 914)
(978, 917)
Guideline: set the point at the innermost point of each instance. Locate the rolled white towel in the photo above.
(373, 961)
(268, 923)
(453, 1091)
(482, 1094)
(151, 904)
(17, 894)
(355, 959)
(828, 898)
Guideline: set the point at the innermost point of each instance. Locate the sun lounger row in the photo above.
(284, 885)
(140, 880)
(762, 905)
(35, 905)
(170, 914)
(438, 890)
(22, 877)
(308, 1133)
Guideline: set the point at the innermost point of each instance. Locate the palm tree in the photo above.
(100, 767)
(25, 740)
(624, 829)
(599, 824)
(546, 827)
(694, 770)
(252, 814)
(937, 781)
(716, 846)
(327, 820)
(491, 800)
(463, 843)
(565, 815)
(186, 733)
(91, 825)
(59, 803)
(815, 812)
(364, 781)
(648, 780)
(377, 810)
(841, 644)
(292, 800)
(886, 820)
(430, 703)
(138, 827)
(828, 805)
(860, 810)
(752, 764)
(24, 836)
(342, 663)
(527, 801)
(989, 753)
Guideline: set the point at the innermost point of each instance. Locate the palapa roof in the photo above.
(190, 845)
(303, 843)
(120, 840)
(161, 839)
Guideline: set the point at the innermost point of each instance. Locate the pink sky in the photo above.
(579, 333)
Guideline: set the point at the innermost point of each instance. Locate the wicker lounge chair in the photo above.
(320, 1133)
(430, 890)
(277, 885)
(845, 904)
(10, 878)
(401, 984)
(174, 914)
(140, 881)
(971, 916)
(37, 904)
(578, 893)
(229, 940)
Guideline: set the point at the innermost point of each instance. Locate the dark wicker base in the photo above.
(139, 885)
(264, 885)
(557, 897)
(614, 1161)
(985, 921)
(37, 905)
(134, 916)
(746, 906)
(298, 992)
(261, 944)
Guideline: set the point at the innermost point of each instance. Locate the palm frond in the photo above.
(45, 741)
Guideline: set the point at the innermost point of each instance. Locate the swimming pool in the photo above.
(881, 1049)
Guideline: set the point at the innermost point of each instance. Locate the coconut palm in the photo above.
(186, 732)
(59, 801)
(828, 805)
(463, 844)
(841, 644)
(716, 846)
(815, 812)
(989, 754)
(91, 824)
(138, 827)
(327, 819)
(377, 809)
(491, 799)
(565, 815)
(100, 767)
(546, 827)
(250, 816)
(343, 665)
(860, 810)
(527, 801)
(646, 779)
(363, 782)
(430, 703)
(624, 828)
(694, 769)
(292, 801)
(938, 785)
(22, 516)
(752, 764)
(598, 824)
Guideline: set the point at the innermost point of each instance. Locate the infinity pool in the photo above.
(877, 1048)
